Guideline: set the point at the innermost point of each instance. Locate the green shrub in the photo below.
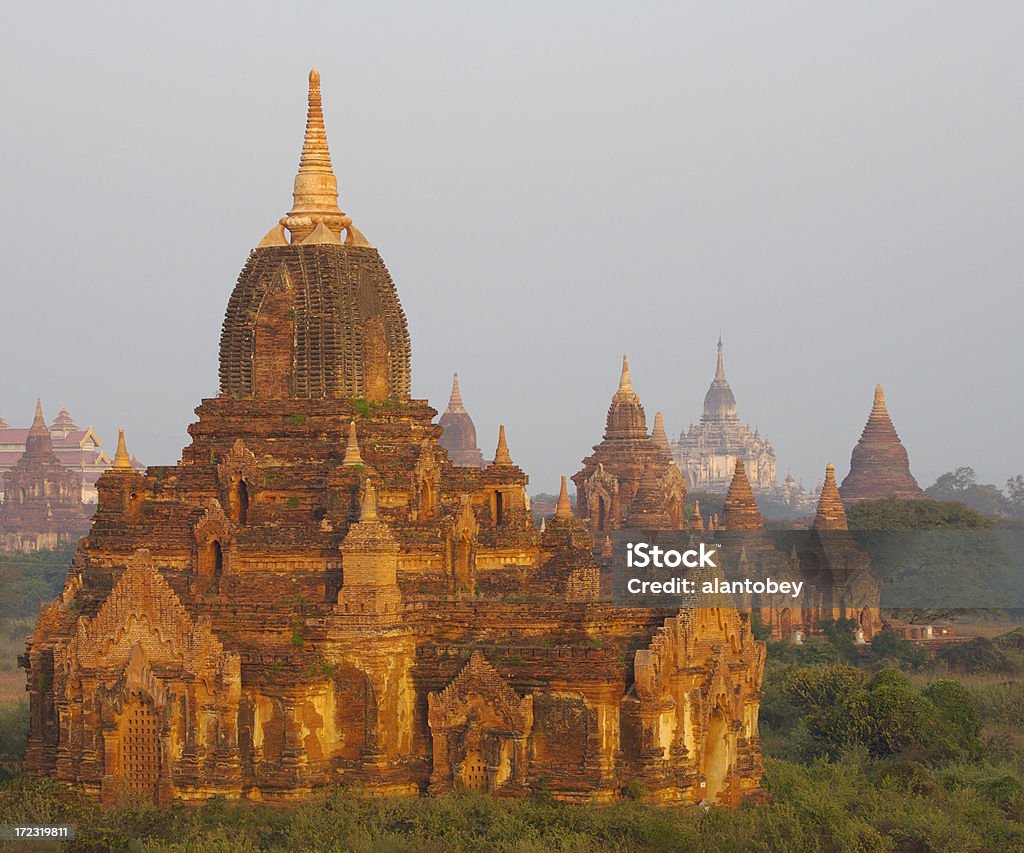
(976, 656)
(887, 645)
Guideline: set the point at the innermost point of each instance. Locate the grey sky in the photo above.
(836, 186)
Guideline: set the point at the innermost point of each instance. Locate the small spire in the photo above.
(501, 455)
(352, 455)
(720, 367)
(696, 519)
(315, 193)
(38, 419)
(741, 511)
(122, 461)
(658, 433)
(625, 385)
(455, 401)
(878, 406)
(368, 506)
(830, 514)
(563, 510)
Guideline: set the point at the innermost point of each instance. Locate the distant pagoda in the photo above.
(879, 466)
(42, 505)
(458, 435)
(707, 452)
(630, 473)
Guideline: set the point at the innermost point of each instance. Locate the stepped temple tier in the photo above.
(707, 452)
(879, 466)
(318, 593)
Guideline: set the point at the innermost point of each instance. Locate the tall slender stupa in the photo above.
(879, 466)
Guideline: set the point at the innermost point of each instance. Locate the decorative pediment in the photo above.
(479, 687)
(465, 525)
(426, 463)
(863, 589)
(212, 524)
(143, 611)
(602, 481)
(240, 463)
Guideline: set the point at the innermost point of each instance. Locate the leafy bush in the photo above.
(978, 655)
(887, 645)
(838, 708)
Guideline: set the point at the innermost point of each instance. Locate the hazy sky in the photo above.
(837, 187)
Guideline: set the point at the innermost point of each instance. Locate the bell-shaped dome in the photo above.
(719, 402)
(317, 316)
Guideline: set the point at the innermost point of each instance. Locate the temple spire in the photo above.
(658, 434)
(39, 422)
(720, 367)
(122, 461)
(352, 455)
(741, 511)
(696, 519)
(625, 384)
(501, 455)
(315, 195)
(878, 405)
(830, 514)
(563, 509)
(455, 404)
(368, 506)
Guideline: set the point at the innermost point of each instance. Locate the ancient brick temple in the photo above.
(42, 505)
(838, 580)
(630, 479)
(316, 594)
(458, 432)
(879, 466)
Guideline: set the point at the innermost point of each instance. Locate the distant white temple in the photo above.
(707, 453)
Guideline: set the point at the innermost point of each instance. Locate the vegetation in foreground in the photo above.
(853, 803)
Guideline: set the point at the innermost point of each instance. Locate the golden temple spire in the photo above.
(563, 509)
(315, 196)
(625, 384)
(455, 404)
(122, 461)
(741, 511)
(501, 455)
(658, 433)
(878, 406)
(368, 506)
(830, 514)
(352, 455)
(696, 519)
(39, 422)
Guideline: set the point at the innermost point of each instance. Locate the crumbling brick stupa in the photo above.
(316, 594)
(879, 466)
